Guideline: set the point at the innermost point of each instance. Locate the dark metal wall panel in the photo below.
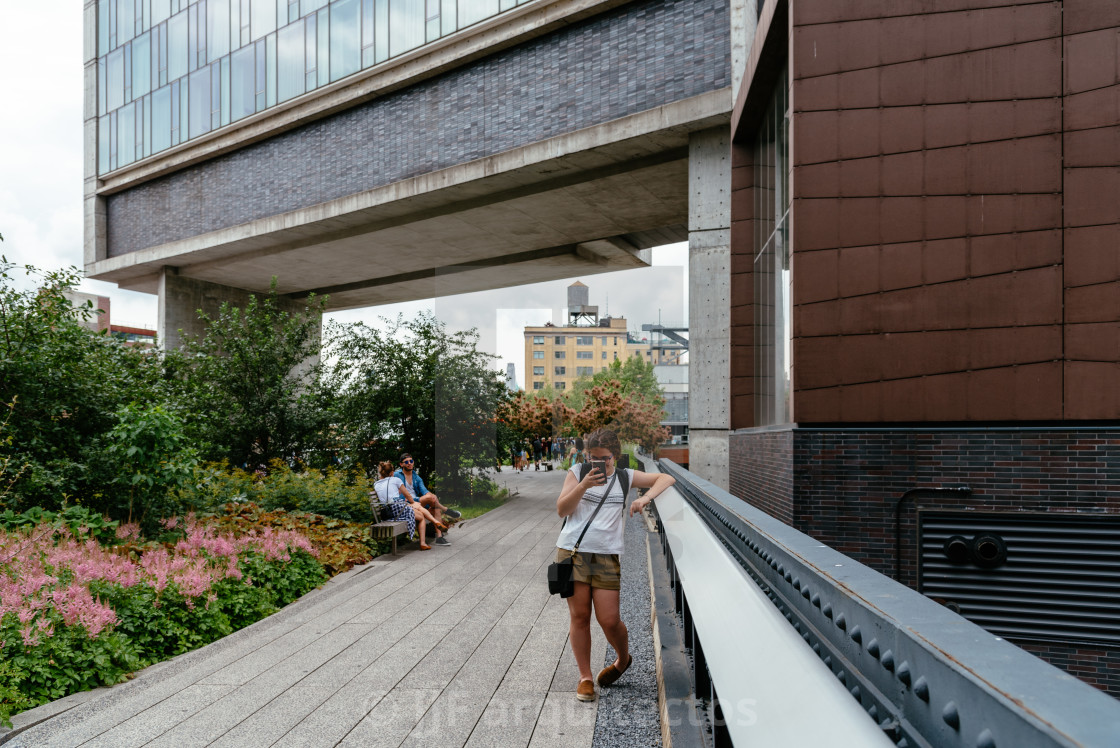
(1060, 581)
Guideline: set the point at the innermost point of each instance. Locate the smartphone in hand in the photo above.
(601, 466)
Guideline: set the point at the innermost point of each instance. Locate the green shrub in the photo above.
(329, 493)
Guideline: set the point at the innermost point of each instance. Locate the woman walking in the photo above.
(595, 565)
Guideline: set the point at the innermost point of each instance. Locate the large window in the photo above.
(585, 371)
(261, 53)
(538, 340)
(585, 340)
(559, 370)
(559, 340)
(538, 371)
(585, 354)
(772, 289)
(558, 354)
(538, 354)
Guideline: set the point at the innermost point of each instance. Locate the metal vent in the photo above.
(1060, 580)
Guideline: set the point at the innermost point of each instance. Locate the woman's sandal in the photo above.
(611, 673)
(425, 547)
(440, 526)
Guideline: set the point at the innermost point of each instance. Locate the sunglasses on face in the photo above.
(406, 462)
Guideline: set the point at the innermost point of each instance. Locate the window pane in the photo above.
(103, 26)
(323, 46)
(381, 30)
(126, 135)
(126, 22)
(346, 39)
(103, 147)
(161, 119)
(308, 6)
(161, 11)
(199, 102)
(406, 25)
(217, 28)
(270, 50)
(262, 18)
(177, 46)
(116, 79)
(243, 88)
(473, 11)
(141, 66)
(290, 61)
(225, 90)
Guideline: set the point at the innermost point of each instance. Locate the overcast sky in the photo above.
(41, 201)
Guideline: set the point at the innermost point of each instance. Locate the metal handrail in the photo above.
(928, 676)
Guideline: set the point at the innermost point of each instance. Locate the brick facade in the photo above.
(761, 472)
(638, 57)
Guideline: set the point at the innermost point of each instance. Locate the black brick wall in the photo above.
(761, 472)
(845, 484)
(638, 57)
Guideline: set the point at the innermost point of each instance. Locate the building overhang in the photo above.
(584, 202)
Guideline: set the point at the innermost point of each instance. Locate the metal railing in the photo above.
(923, 674)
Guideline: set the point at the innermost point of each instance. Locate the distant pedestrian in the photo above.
(577, 455)
(596, 556)
(537, 452)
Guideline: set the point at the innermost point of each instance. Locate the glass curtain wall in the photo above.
(171, 70)
(773, 316)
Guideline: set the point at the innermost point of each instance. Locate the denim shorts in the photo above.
(600, 570)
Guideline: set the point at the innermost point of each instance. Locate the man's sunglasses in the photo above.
(406, 462)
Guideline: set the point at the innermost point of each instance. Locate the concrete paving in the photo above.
(457, 646)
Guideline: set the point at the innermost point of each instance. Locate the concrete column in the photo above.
(709, 303)
(744, 22)
(181, 298)
(93, 207)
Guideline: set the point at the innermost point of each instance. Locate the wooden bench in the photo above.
(385, 529)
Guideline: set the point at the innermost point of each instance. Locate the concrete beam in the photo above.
(622, 181)
(709, 313)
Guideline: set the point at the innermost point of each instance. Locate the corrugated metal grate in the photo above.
(1061, 579)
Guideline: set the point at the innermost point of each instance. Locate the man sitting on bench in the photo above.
(412, 480)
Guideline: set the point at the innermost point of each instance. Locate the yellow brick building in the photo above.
(560, 355)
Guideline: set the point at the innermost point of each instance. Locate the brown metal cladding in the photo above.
(1091, 220)
(742, 286)
(956, 205)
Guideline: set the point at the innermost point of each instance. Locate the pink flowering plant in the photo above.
(76, 613)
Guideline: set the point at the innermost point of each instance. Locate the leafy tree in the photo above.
(152, 456)
(417, 387)
(625, 396)
(539, 413)
(67, 384)
(251, 383)
(632, 377)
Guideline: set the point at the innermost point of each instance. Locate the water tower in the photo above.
(580, 313)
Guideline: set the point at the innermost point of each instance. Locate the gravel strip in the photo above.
(628, 714)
